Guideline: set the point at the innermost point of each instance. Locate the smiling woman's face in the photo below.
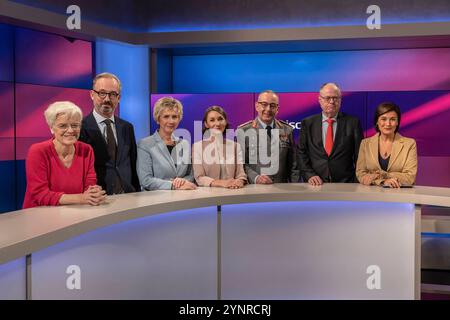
(67, 129)
(387, 123)
(168, 121)
(215, 121)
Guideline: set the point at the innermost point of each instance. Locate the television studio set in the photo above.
(209, 150)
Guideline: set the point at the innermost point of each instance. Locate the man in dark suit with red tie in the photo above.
(111, 138)
(329, 142)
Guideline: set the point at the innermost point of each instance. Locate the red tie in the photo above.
(329, 137)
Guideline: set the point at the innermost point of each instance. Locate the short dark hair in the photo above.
(386, 107)
(218, 110)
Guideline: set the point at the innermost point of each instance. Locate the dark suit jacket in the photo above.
(340, 165)
(126, 154)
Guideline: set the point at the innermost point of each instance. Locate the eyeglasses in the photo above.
(65, 126)
(264, 104)
(103, 94)
(328, 99)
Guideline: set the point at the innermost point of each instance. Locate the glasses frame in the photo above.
(328, 99)
(272, 106)
(66, 126)
(112, 95)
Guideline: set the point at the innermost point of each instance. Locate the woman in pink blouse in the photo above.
(217, 162)
(61, 170)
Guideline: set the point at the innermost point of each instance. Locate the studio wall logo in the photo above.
(73, 22)
(295, 125)
(374, 280)
(374, 20)
(73, 282)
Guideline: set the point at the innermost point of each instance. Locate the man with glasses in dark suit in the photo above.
(329, 142)
(111, 138)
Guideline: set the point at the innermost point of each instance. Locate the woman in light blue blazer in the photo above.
(163, 160)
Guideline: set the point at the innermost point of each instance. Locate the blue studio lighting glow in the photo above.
(131, 64)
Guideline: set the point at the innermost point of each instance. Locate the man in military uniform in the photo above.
(268, 144)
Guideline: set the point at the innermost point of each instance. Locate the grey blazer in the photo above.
(156, 167)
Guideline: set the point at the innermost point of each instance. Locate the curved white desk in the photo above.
(282, 241)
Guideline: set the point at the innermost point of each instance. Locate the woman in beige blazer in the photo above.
(217, 162)
(387, 158)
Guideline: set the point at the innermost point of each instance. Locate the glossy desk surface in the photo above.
(26, 231)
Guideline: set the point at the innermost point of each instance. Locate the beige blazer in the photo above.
(206, 157)
(402, 163)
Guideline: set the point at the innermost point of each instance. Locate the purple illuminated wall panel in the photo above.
(425, 117)
(7, 163)
(31, 102)
(433, 171)
(43, 58)
(296, 106)
(6, 121)
(239, 108)
(6, 53)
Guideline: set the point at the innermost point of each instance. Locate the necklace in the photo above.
(386, 146)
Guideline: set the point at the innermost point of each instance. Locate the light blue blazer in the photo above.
(156, 167)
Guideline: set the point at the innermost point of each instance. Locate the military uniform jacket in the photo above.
(252, 136)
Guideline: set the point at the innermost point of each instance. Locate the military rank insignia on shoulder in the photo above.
(284, 122)
(246, 124)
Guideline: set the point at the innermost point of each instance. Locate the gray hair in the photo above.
(107, 75)
(332, 83)
(167, 103)
(269, 92)
(61, 107)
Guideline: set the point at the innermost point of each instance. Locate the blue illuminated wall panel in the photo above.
(49, 59)
(8, 186)
(21, 183)
(6, 53)
(131, 64)
(365, 70)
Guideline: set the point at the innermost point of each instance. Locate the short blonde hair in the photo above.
(107, 75)
(167, 103)
(61, 107)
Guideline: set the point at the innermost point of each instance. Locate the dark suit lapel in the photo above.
(120, 136)
(92, 126)
(340, 124)
(317, 133)
(91, 123)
